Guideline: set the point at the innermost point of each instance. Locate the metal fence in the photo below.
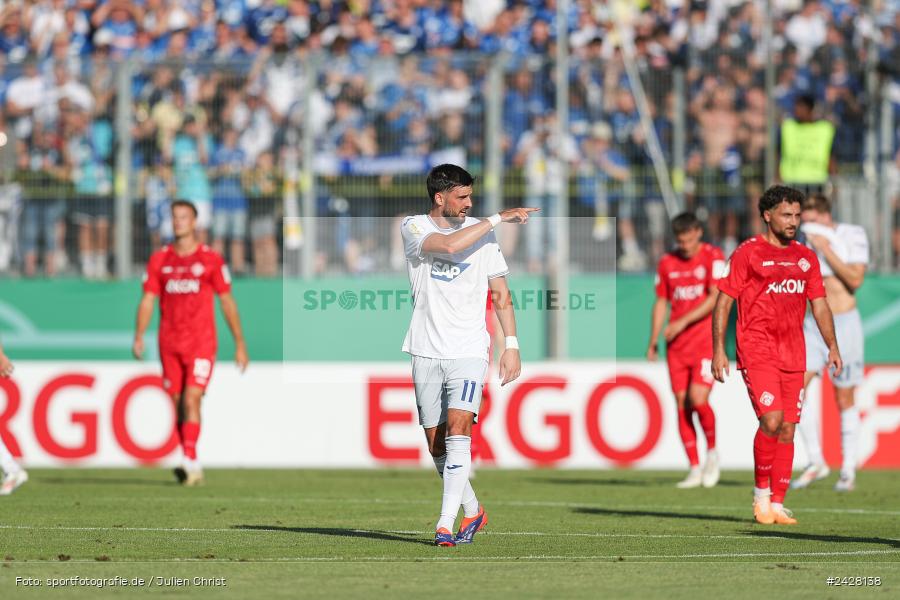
(262, 146)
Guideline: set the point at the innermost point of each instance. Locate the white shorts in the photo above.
(849, 332)
(443, 383)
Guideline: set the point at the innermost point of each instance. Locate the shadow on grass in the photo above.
(619, 512)
(645, 482)
(837, 539)
(76, 480)
(343, 532)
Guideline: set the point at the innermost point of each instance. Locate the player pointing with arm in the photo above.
(771, 276)
(843, 252)
(185, 276)
(13, 474)
(686, 278)
(452, 260)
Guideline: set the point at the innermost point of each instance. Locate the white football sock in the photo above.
(456, 476)
(809, 431)
(7, 463)
(761, 492)
(777, 506)
(469, 499)
(849, 435)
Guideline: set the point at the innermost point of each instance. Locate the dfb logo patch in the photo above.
(767, 399)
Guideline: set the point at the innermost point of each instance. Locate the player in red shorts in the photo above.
(686, 278)
(772, 276)
(185, 276)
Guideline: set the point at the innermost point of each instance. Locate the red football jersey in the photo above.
(685, 283)
(185, 286)
(771, 286)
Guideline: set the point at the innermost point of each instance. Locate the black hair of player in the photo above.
(443, 178)
(819, 203)
(807, 100)
(186, 204)
(686, 221)
(777, 194)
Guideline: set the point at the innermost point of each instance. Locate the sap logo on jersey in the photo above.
(688, 292)
(183, 286)
(786, 286)
(447, 271)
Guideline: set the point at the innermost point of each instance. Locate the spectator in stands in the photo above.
(14, 42)
(807, 30)
(23, 96)
(118, 20)
(603, 175)
(92, 178)
(47, 19)
(158, 189)
(806, 159)
(263, 198)
(189, 156)
(229, 202)
(43, 175)
(541, 154)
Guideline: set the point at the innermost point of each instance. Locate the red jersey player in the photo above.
(772, 276)
(185, 276)
(686, 278)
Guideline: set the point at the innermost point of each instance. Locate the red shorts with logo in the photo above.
(186, 368)
(772, 389)
(687, 369)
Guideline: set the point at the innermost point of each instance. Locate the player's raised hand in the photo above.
(241, 357)
(6, 366)
(137, 348)
(819, 242)
(835, 362)
(517, 215)
(720, 366)
(510, 366)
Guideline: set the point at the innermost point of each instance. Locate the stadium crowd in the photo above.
(221, 96)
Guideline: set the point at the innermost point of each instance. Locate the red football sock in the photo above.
(763, 457)
(781, 470)
(190, 432)
(707, 423)
(688, 435)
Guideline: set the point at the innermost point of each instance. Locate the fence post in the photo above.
(307, 173)
(886, 209)
(679, 133)
(493, 175)
(771, 118)
(122, 171)
(558, 323)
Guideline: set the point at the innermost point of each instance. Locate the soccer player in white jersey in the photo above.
(13, 474)
(452, 260)
(843, 251)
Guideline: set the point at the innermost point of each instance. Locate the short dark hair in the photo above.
(808, 100)
(685, 222)
(186, 204)
(777, 194)
(446, 177)
(818, 203)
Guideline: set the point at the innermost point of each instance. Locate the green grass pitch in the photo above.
(337, 534)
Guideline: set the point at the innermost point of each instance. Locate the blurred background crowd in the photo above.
(223, 102)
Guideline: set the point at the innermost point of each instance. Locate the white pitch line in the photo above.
(457, 557)
(522, 503)
(245, 530)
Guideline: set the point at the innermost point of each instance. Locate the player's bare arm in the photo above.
(451, 243)
(657, 318)
(721, 311)
(510, 360)
(825, 321)
(6, 366)
(704, 308)
(232, 318)
(144, 314)
(851, 275)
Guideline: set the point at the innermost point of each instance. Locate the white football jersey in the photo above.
(849, 242)
(449, 292)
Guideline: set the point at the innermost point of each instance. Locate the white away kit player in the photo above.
(452, 260)
(843, 251)
(13, 474)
